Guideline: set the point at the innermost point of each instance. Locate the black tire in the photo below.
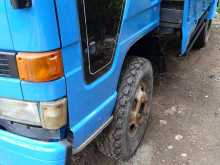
(117, 141)
(203, 38)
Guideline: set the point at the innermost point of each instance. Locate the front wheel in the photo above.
(122, 138)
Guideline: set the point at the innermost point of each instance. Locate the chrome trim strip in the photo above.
(92, 137)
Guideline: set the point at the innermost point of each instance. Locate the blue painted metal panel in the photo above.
(91, 105)
(5, 39)
(22, 90)
(19, 150)
(10, 88)
(193, 10)
(92, 121)
(33, 29)
(46, 91)
(213, 9)
(67, 22)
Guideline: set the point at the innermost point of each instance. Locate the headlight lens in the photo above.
(19, 111)
(49, 115)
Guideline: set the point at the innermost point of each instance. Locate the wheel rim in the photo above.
(139, 110)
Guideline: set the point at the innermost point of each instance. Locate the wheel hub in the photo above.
(139, 109)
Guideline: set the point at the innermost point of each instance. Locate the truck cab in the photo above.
(68, 74)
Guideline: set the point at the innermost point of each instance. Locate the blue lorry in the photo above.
(72, 71)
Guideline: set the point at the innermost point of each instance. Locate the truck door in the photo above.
(93, 44)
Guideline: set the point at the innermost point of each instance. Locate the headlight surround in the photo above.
(53, 114)
(49, 115)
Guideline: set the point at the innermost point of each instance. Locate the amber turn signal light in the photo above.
(40, 67)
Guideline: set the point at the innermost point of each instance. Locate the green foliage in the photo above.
(218, 9)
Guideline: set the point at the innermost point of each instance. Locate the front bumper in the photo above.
(17, 150)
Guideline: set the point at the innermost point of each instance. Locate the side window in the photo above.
(100, 22)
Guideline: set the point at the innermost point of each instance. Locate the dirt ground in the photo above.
(185, 126)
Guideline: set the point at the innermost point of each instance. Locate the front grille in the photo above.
(8, 66)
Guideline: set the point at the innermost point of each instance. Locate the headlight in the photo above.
(20, 111)
(49, 115)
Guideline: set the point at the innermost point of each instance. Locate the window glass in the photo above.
(101, 19)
